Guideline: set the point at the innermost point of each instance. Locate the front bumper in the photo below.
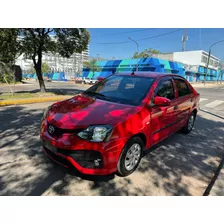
(87, 157)
(68, 162)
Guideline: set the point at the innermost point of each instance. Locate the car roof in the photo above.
(147, 74)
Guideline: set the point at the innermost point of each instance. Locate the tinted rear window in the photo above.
(182, 87)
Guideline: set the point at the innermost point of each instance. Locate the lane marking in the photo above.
(214, 103)
(203, 99)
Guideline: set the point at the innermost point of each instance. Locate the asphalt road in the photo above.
(180, 165)
(212, 99)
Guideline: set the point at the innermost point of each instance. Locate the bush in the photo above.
(9, 78)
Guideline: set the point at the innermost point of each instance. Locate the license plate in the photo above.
(50, 147)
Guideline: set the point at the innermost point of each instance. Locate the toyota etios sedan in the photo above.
(106, 128)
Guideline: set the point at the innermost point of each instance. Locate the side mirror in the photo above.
(161, 101)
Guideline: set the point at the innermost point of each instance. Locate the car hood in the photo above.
(82, 111)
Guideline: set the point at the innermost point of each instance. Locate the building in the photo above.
(195, 63)
(73, 65)
(129, 65)
(199, 58)
(189, 64)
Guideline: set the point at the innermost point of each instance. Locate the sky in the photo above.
(198, 39)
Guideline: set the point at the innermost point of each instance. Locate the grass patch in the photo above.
(7, 96)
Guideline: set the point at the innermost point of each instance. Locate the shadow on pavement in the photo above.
(56, 91)
(180, 165)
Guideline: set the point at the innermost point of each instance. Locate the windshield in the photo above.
(122, 89)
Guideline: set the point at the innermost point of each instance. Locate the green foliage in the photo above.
(64, 41)
(45, 68)
(6, 73)
(9, 45)
(33, 42)
(8, 77)
(147, 53)
(9, 50)
(92, 66)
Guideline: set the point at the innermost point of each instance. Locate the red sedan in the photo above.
(106, 128)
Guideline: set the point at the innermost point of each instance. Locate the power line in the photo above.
(133, 31)
(159, 35)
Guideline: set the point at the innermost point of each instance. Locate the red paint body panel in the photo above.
(155, 123)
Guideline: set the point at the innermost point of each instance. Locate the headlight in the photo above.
(97, 133)
(45, 112)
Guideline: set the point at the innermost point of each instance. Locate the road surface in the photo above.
(180, 165)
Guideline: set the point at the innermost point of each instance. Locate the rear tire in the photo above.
(190, 124)
(130, 157)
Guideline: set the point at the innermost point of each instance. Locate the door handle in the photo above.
(175, 107)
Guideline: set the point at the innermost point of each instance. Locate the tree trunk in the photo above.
(40, 79)
(38, 68)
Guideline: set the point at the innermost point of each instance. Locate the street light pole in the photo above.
(137, 51)
(209, 55)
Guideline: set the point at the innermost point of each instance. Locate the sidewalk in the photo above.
(217, 189)
(206, 85)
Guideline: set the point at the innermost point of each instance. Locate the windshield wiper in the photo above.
(97, 95)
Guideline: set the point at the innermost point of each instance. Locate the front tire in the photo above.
(190, 124)
(130, 157)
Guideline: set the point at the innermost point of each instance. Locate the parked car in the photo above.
(90, 81)
(106, 128)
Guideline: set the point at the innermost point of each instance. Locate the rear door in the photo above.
(163, 117)
(185, 101)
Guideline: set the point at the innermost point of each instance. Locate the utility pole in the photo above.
(184, 39)
(209, 55)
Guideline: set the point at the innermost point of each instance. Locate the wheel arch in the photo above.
(140, 135)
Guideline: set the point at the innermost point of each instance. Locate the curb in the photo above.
(34, 100)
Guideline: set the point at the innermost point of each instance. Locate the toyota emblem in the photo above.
(51, 129)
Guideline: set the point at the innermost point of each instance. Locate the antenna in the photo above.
(184, 39)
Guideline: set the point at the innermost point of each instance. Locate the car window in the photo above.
(182, 87)
(165, 89)
(111, 85)
(123, 89)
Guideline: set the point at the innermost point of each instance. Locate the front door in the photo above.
(163, 117)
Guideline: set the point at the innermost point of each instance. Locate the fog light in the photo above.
(97, 162)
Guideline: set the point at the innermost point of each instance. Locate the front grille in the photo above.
(57, 158)
(85, 158)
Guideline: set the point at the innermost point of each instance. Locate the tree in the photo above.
(6, 74)
(45, 68)
(36, 41)
(92, 66)
(146, 53)
(10, 49)
(9, 46)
